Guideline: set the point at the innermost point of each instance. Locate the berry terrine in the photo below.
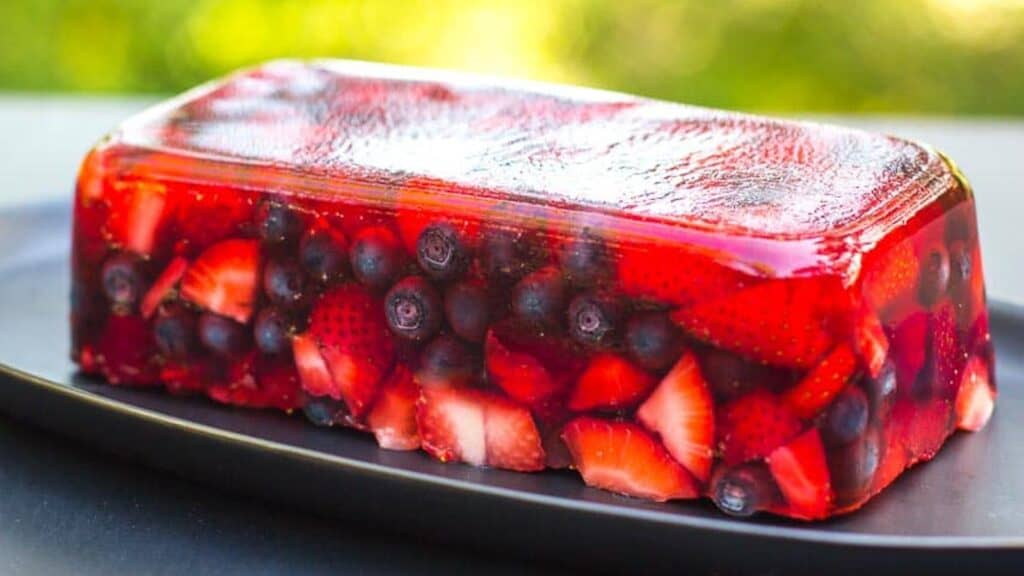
(675, 302)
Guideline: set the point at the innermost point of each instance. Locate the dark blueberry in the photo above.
(583, 260)
(446, 360)
(272, 331)
(847, 417)
(441, 252)
(653, 340)
(852, 467)
(413, 308)
(174, 331)
(284, 282)
(729, 375)
(124, 279)
(277, 223)
(323, 410)
(539, 298)
(960, 266)
(934, 276)
(508, 255)
(467, 308)
(881, 391)
(222, 335)
(376, 257)
(324, 255)
(742, 491)
(593, 318)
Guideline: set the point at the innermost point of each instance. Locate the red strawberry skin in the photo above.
(681, 412)
(690, 278)
(224, 278)
(393, 416)
(348, 325)
(778, 322)
(801, 473)
(530, 369)
(819, 387)
(753, 425)
(609, 382)
(624, 458)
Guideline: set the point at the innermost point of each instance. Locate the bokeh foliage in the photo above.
(920, 56)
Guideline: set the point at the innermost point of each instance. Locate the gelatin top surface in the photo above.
(583, 149)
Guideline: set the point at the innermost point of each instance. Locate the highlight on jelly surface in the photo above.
(675, 302)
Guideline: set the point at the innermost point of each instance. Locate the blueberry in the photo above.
(324, 255)
(376, 257)
(124, 279)
(446, 360)
(284, 282)
(539, 298)
(593, 318)
(220, 335)
(653, 340)
(960, 265)
(467, 308)
(583, 259)
(507, 255)
(174, 331)
(934, 276)
(852, 467)
(272, 331)
(847, 417)
(729, 375)
(441, 252)
(323, 410)
(277, 223)
(413, 308)
(742, 491)
(881, 391)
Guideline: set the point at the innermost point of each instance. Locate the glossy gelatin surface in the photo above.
(674, 301)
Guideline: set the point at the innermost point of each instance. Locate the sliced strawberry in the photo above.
(819, 387)
(871, 342)
(751, 426)
(313, 372)
(163, 286)
(528, 367)
(948, 351)
(125, 350)
(420, 206)
(609, 382)
(909, 348)
(976, 399)
(348, 324)
(393, 416)
(890, 275)
(224, 279)
(801, 473)
(778, 322)
(624, 458)
(673, 274)
(513, 441)
(212, 214)
(681, 411)
(137, 211)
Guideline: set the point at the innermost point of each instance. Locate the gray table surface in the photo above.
(67, 509)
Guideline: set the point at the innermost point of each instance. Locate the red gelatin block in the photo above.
(676, 302)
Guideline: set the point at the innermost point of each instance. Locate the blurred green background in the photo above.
(901, 56)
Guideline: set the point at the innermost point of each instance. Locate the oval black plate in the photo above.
(965, 506)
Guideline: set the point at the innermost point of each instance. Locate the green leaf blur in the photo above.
(905, 56)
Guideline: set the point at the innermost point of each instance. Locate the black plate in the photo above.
(965, 506)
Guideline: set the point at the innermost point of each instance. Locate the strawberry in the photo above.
(348, 325)
(672, 274)
(681, 411)
(948, 351)
(910, 347)
(751, 426)
(313, 372)
(975, 399)
(778, 322)
(624, 458)
(393, 416)
(871, 342)
(890, 275)
(478, 428)
(801, 473)
(224, 279)
(528, 367)
(609, 382)
(163, 286)
(212, 214)
(137, 212)
(819, 387)
(125, 351)
(420, 205)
